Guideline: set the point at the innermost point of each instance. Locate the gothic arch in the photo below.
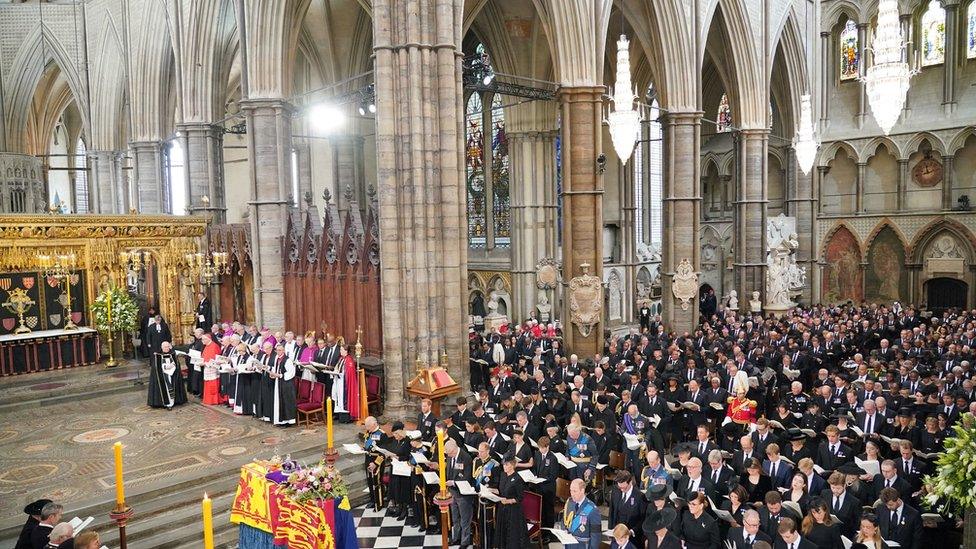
(830, 151)
(958, 141)
(836, 12)
(751, 98)
(885, 222)
(108, 90)
(38, 51)
(838, 226)
(790, 44)
(675, 71)
(871, 148)
(916, 141)
(841, 266)
(934, 229)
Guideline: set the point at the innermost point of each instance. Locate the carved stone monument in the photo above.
(585, 300)
(684, 284)
(733, 302)
(784, 278)
(755, 305)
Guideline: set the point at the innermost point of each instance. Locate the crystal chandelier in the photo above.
(887, 79)
(805, 143)
(624, 120)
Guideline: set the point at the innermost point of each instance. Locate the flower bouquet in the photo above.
(954, 484)
(309, 484)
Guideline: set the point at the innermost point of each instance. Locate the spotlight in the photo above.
(372, 107)
(326, 118)
(488, 78)
(362, 111)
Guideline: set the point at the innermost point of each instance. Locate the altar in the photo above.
(47, 350)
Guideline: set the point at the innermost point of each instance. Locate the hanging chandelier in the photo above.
(805, 143)
(624, 120)
(887, 79)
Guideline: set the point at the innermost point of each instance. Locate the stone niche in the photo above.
(21, 184)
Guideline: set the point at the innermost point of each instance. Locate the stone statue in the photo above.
(754, 304)
(733, 303)
(544, 307)
(784, 278)
(493, 303)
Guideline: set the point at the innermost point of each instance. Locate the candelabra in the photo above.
(210, 268)
(59, 266)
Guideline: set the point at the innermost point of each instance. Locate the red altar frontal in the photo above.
(47, 350)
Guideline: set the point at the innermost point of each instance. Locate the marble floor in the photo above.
(57, 430)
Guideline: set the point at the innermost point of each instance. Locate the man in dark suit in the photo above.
(627, 506)
(746, 536)
(762, 437)
(694, 482)
(773, 513)
(898, 521)
(779, 471)
(888, 478)
(694, 418)
(910, 467)
(703, 444)
(790, 538)
(744, 454)
(459, 467)
(843, 504)
(832, 453)
(721, 475)
(545, 465)
(204, 313)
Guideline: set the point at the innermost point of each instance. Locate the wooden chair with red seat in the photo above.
(562, 490)
(532, 507)
(374, 392)
(314, 406)
(304, 392)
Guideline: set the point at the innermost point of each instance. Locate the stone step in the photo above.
(156, 510)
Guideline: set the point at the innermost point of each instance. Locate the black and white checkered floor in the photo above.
(375, 529)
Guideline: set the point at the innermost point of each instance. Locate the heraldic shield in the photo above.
(585, 300)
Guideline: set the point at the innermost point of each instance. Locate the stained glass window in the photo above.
(500, 203)
(849, 55)
(559, 181)
(971, 31)
(933, 34)
(474, 155)
(724, 117)
(656, 174)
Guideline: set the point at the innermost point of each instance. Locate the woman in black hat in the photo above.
(33, 512)
(400, 486)
(698, 529)
(657, 530)
(510, 531)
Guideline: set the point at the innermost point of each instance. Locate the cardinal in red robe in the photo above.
(211, 375)
(351, 381)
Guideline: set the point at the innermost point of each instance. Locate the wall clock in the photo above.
(928, 172)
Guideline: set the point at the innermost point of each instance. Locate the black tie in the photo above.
(894, 522)
(772, 471)
(836, 504)
(715, 477)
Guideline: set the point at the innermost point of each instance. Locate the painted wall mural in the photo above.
(842, 275)
(886, 279)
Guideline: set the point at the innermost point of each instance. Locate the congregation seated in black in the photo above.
(794, 431)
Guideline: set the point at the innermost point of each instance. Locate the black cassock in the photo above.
(510, 525)
(245, 389)
(165, 382)
(278, 399)
(196, 376)
(156, 335)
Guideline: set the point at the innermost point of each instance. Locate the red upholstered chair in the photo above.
(304, 390)
(532, 507)
(374, 392)
(315, 406)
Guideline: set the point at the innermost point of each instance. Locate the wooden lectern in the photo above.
(433, 382)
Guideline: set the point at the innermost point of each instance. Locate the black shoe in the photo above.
(434, 530)
(402, 515)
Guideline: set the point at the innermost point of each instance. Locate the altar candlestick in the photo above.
(442, 461)
(108, 308)
(119, 485)
(208, 542)
(328, 420)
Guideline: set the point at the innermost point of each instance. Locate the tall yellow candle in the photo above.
(207, 522)
(442, 462)
(108, 308)
(328, 420)
(119, 485)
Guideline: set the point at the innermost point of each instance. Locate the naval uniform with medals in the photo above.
(582, 521)
(372, 441)
(485, 472)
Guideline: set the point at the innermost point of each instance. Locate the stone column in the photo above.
(681, 213)
(750, 213)
(347, 169)
(104, 182)
(952, 46)
(303, 161)
(862, 171)
(827, 57)
(204, 146)
(147, 167)
(947, 182)
(269, 148)
(581, 108)
(628, 244)
(906, 31)
(862, 45)
(420, 182)
(902, 183)
(816, 287)
(533, 203)
(803, 207)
